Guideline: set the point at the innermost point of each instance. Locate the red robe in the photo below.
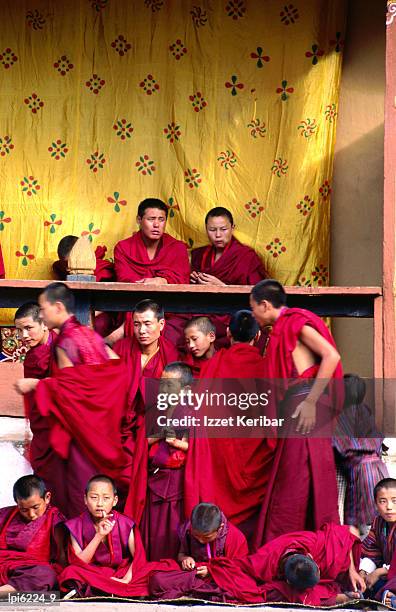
(108, 561)
(259, 577)
(171, 262)
(133, 430)
(302, 490)
(104, 271)
(26, 549)
(231, 472)
(196, 364)
(2, 268)
(238, 265)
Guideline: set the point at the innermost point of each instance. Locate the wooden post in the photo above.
(81, 267)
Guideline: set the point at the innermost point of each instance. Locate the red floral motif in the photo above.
(320, 275)
(95, 84)
(254, 208)
(325, 190)
(303, 281)
(289, 14)
(6, 145)
(58, 149)
(26, 257)
(35, 20)
(149, 85)
(52, 222)
(305, 206)
(308, 127)
(34, 103)
(275, 248)
(155, 5)
(199, 16)
(8, 58)
(90, 232)
(178, 49)
(3, 219)
(96, 161)
(316, 53)
(124, 130)
(280, 167)
(121, 45)
(257, 128)
(284, 90)
(192, 178)
(227, 159)
(172, 206)
(331, 112)
(99, 5)
(30, 185)
(338, 43)
(235, 8)
(198, 101)
(260, 57)
(234, 85)
(63, 65)
(172, 132)
(145, 165)
(116, 201)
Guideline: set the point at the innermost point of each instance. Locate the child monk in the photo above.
(163, 511)
(205, 536)
(28, 539)
(200, 335)
(105, 552)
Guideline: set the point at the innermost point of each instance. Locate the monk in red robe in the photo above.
(2, 268)
(302, 360)
(28, 539)
(37, 364)
(233, 471)
(225, 261)
(150, 256)
(316, 569)
(206, 536)
(164, 508)
(200, 336)
(84, 401)
(145, 355)
(104, 271)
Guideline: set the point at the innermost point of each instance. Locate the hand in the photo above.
(373, 578)
(202, 571)
(25, 385)
(208, 279)
(306, 413)
(357, 581)
(188, 563)
(172, 442)
(123, 580)
(156, 280)
(354, 531)
(105, 526)
(194, 276)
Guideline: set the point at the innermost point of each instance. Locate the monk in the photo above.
(301, 358)
(2, 268)
(104, 271)
(225, 261)
(164, 509)
(83, 401)
(106, 554)
(232, 471)
(316, 569)
(37, 365)
(200, 336)
(207, 535)
(28, 539)
(145, 355)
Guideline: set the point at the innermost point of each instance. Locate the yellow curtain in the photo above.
(200, 103)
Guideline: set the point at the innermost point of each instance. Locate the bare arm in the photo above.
(131, 546)
(86, 555)
(117, 334)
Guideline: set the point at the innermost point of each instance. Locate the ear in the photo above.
(115, 502)
(228, 333)
(212, 336)
(138, 220)
(162, 324)
(47, 497)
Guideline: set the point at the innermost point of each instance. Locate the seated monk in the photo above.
(225, 261)
(315, 569)
(200, 336)
(232, 471)
(145, 355)
(206, 536)
(37, 364)
(302, 359)
(164, 509)
(150, 256)
(104, 271)
(83, 401)
(105, 552)
(28, 539)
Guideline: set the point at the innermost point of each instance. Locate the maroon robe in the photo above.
(26, 549)
(112, 558)
(196, 363)
(171, 262)
(2, 268)
(230, 543)
(238, 265)
(259, 577)
(302, 491)
(133, 432)
(231, 472)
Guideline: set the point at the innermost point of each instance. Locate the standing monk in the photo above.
(225, 261)
(302, 356)
(150, 256)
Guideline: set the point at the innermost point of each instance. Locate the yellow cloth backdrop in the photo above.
(201, 103)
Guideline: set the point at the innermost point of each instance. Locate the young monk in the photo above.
(207, 535)
(164, 507)
(145, 355)
(28, 541)
(37, 365)
(104, 271)
(312, 568)
(84, 400)
(106, 554)
(225, 261)
(200, 336)
(233, 471)
(151, 256)
(379, 547)
(302, 358)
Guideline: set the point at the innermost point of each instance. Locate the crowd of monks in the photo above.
(136, 512)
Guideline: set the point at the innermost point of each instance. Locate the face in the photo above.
(262, 312)
(100, 499)
(219, 230)
(31, 332)
(146, 327)
(170, 383)
(386, 504)
(205, 538)
(152, 223)
(197, 342)
(50, 312)
(34, 506)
